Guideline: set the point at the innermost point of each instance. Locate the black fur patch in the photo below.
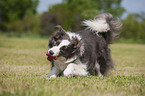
(72, 49)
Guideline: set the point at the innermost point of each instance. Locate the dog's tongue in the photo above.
(50, 58)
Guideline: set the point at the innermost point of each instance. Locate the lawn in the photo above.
(23, 61)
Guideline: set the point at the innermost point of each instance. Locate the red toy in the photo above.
(50, 58)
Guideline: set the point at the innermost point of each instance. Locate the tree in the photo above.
(133, 27)
(48, 22)
(112, 6)
(72, 12)
(12, 10)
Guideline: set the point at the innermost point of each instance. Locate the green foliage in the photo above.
(66, 16)
(89, 14)
(134, 27)
(112, 6)
(13, 10)
(71, 12)
(29, 23)
(19, 16)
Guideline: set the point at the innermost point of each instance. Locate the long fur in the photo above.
(89, 47)
(115, 26)
(105, 22)
(98, 25)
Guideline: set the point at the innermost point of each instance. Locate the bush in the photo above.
(48, 22)
(29, 23)
(133, 27)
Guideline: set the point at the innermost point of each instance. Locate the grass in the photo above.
(23, 61)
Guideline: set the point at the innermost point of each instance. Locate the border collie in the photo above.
(84, 52)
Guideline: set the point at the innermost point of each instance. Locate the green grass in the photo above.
(23, 61)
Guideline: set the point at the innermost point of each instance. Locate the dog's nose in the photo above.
(51, 52)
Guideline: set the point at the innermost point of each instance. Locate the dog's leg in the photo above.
(97, 67)
(69, 70)
(54, 72)
(74, 69)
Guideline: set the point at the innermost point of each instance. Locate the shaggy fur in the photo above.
(87, 51)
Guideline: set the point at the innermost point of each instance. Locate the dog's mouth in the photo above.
(51, 58)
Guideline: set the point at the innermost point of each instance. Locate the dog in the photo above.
(85, 52)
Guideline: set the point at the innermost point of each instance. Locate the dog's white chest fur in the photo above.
(76, 68)
(68, 69)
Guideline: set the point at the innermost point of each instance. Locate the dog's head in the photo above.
(61, 44)
(57, 37)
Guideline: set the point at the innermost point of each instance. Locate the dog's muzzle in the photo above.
(50, 58)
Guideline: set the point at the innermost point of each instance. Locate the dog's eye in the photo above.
(63, 47)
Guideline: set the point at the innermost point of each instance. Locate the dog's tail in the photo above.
(106, 25)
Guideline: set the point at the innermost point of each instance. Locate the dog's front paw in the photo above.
(53, 76)
(49, 76)
(44, 75)
(68, 72)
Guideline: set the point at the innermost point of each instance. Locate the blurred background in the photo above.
(39, 17)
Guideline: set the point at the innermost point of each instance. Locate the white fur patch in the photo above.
(64, 43)
(56, 49)
(82, 50)
(98, 25)
(98, 69)
(75, 69)
(73, 35)
(53, 76)
(71, 59)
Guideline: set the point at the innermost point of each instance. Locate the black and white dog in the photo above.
(86, 51)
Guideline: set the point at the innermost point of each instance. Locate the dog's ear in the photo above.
(61, 30)
(58, 36)
(76, 43)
